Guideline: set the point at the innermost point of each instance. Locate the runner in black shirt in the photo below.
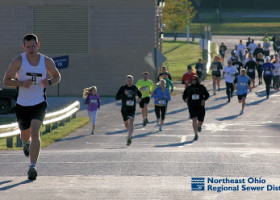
(127, 94)
(260, 62)
(195, 96)
(251, 67)
(237, 64)
(223, 49)
(199, 68)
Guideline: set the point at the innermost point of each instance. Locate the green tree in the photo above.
(177, 14)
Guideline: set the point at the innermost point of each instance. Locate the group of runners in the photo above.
(29, 70)
(242, 65)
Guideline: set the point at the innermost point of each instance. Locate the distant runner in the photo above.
(242, 84)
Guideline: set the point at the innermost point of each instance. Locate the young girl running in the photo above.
(93, 102)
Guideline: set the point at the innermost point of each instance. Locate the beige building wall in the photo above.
(120, 34)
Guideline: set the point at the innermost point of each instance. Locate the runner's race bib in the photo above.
(145, 88)
(130, 103)
(195, 97)
(243, 83)
(214, 69)
(162, 102)
(267, 72)
(93, 101)
(251, 70)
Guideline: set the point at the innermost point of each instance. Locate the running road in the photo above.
(157, 165)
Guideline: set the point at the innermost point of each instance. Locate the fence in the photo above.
(52, 121)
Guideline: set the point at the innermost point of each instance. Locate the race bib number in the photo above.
(162, 102)
(243, 83)
(251, 70)
(36, 78)
(267, 72)
(93, 101)
(214, 69)
(260, 63)
(195, 97)
(199, 69)
(130, 103)
(145, 88)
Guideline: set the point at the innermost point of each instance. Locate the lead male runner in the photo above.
(28, 71)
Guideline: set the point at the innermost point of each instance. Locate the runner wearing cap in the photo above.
(195, 96)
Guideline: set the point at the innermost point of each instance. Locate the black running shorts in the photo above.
(198, 112)
(241, 96)
(25, 114)
(145, 100)
(128, 114)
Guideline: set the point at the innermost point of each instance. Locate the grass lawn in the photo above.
(54, 135)
(179, 55)
(235, 28)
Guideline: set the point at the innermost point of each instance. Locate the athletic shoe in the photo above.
(199, 129)
(195, 137)
(241, 112)
(160, 128)
(157, 121)
(218, 89)
(26, 149)
(144, 122)
(214, 93)
(228, 101)
(32, 173)
(128, 142)
(92, 132)
(147, 121)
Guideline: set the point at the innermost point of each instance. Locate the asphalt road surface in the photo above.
(159, 165)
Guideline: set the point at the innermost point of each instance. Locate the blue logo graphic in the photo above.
(198, 184)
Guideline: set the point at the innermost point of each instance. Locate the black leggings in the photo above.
(230, 89)
(267, 80)
(160, 112)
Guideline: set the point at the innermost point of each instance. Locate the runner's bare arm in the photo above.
(9, 77)
(53, 72)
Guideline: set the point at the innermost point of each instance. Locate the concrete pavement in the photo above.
(158, 165)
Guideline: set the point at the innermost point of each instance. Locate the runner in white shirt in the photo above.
(252, 46)
(241, 49)
(229, 73)
(266, 46)
(31, 69)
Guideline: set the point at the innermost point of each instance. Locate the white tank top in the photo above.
(35, 94)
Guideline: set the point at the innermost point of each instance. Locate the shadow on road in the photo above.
(176, 111)
(254, 103)
(14, 185)
(174, 122)
(175, 144)
(228, 118)
(71, 138)
(4, 182)
(116, 132)
(145, 134)
(216, 107)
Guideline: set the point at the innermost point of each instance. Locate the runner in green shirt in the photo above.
(146, 86)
